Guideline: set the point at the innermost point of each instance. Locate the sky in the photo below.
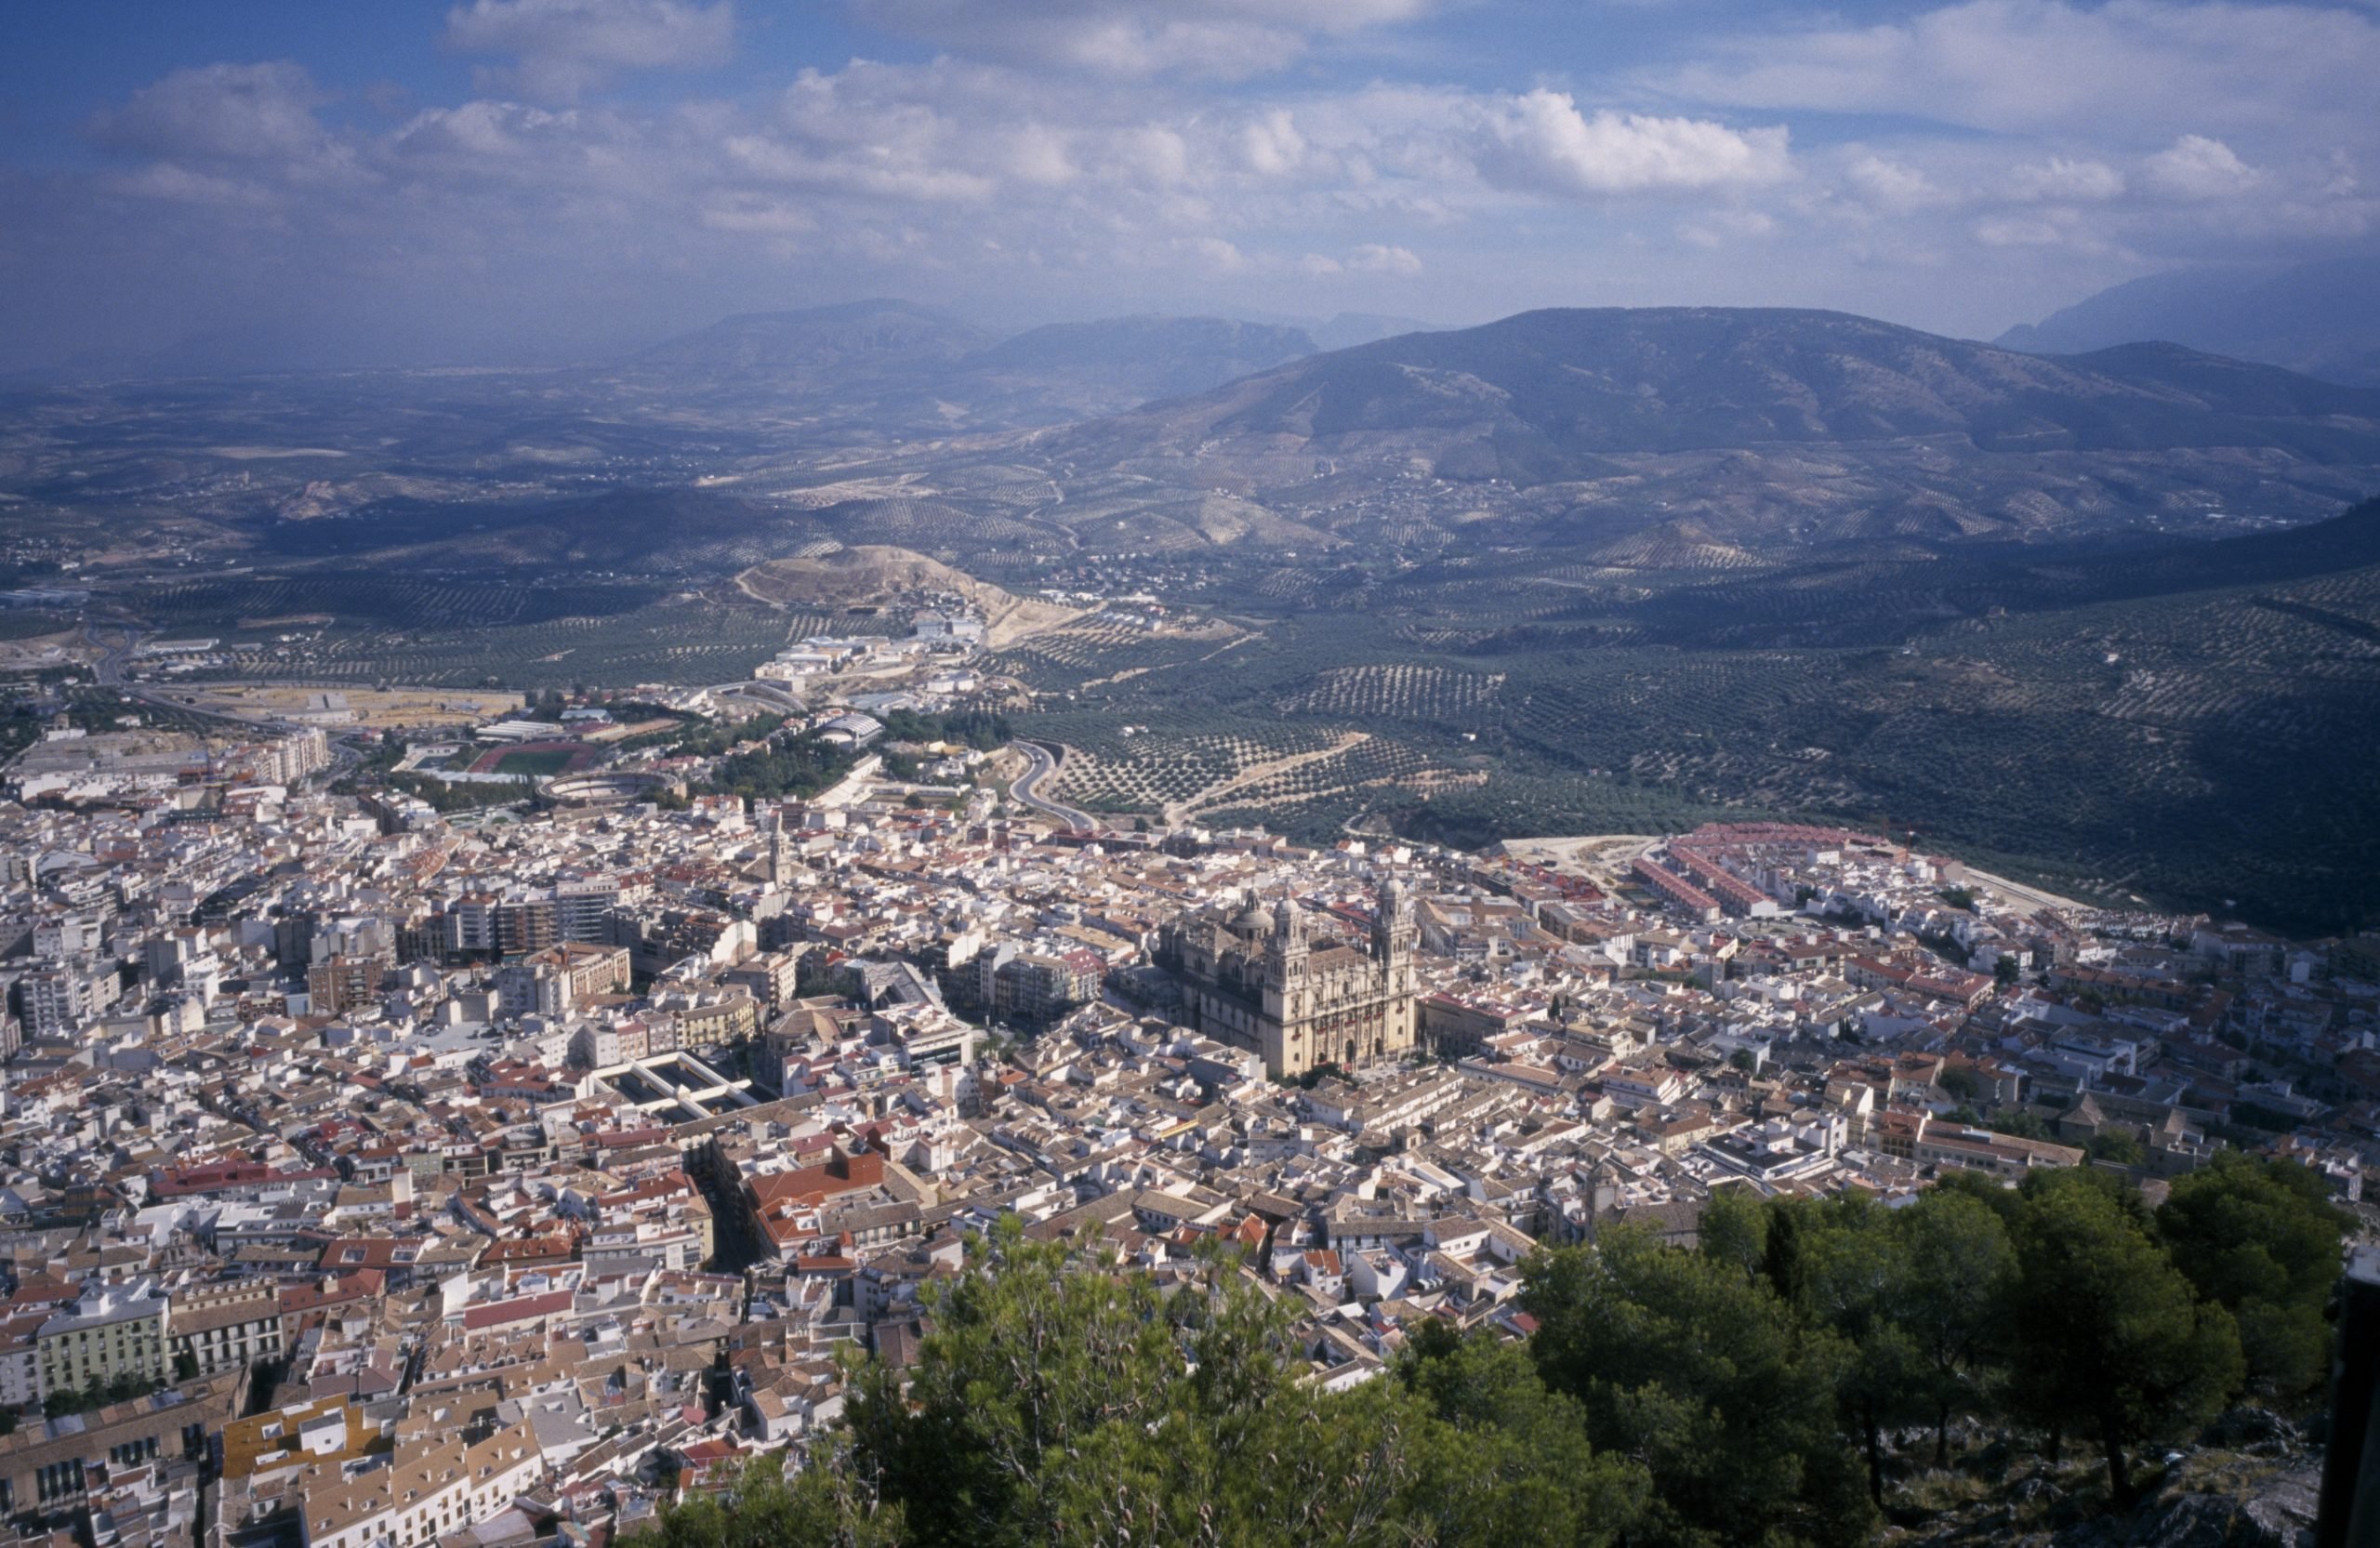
(533, 182)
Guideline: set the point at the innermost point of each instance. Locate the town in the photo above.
(380, 1168)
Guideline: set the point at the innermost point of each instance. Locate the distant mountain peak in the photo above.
(2321, 318)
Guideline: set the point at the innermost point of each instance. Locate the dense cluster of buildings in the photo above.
(400, 1181)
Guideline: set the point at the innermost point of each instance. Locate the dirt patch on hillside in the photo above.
(872, 575)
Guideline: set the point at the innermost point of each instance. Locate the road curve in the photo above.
(1040, 766)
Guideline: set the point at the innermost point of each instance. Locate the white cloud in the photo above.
(232, 112)
(1272, 145)
(1892, 186)
(1139, 186)
(2065, 181)
(2055, 226)
(1038, 153)
(2195, 167)
(180, 185)
(1222, 39)
(2031, 66)
(568, 47)
(1217, 254)
(1375, 258)
(1539, 142)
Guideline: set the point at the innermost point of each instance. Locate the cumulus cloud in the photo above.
(2065, 181)
(566, 47)
(2057, 227)
(1272, 145)
(1540, 142)
(1374, 257)
(2195, 167)
(1217, 254)
(1890, 185)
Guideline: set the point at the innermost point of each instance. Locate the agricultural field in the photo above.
(2184, 731)
(1402, 691)
(678, 640)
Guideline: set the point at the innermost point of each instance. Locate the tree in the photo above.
(824, 1504)
(1062, 1399)
(1706, 1378)
(2007, 970)
(2107, 1334)
(2117, 1146)
(1853, 1282)
(1735, 1230)
(1044, 1377)
(1957, 1270)
(2262, 1238)
(1514, 1454)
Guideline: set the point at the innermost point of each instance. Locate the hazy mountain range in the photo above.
(1542, 395)
(904, 365)
(2319, 318)
(1760, 425)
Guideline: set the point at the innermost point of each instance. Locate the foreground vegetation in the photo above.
(1748, 1391)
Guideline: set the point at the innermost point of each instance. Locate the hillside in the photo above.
(2321, 318)
(1761, 426)
(1545, 393)
(845, 579)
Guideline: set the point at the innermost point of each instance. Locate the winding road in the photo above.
(1040, 766)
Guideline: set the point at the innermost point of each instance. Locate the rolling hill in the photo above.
(1762, 425)
(1547, 393)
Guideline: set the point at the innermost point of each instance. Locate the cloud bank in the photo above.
(635, 164)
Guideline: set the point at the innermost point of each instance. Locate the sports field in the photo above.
(536, 760)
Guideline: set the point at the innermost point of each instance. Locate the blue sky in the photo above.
(507, 180)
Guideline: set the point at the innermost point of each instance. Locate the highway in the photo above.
(1040, 766)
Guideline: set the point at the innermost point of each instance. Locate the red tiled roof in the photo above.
(526, 1308)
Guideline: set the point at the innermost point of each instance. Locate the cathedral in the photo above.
(1257, 981)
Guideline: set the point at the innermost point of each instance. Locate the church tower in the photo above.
(1286, 960)
(783, 861)
(1392, 928)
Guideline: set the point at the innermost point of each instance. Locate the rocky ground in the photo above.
(2250, 1481)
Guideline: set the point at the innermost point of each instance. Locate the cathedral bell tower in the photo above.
(784, 860)
(1285, 962)
(1392, 927)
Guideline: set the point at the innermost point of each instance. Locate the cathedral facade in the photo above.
(1257, 980)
